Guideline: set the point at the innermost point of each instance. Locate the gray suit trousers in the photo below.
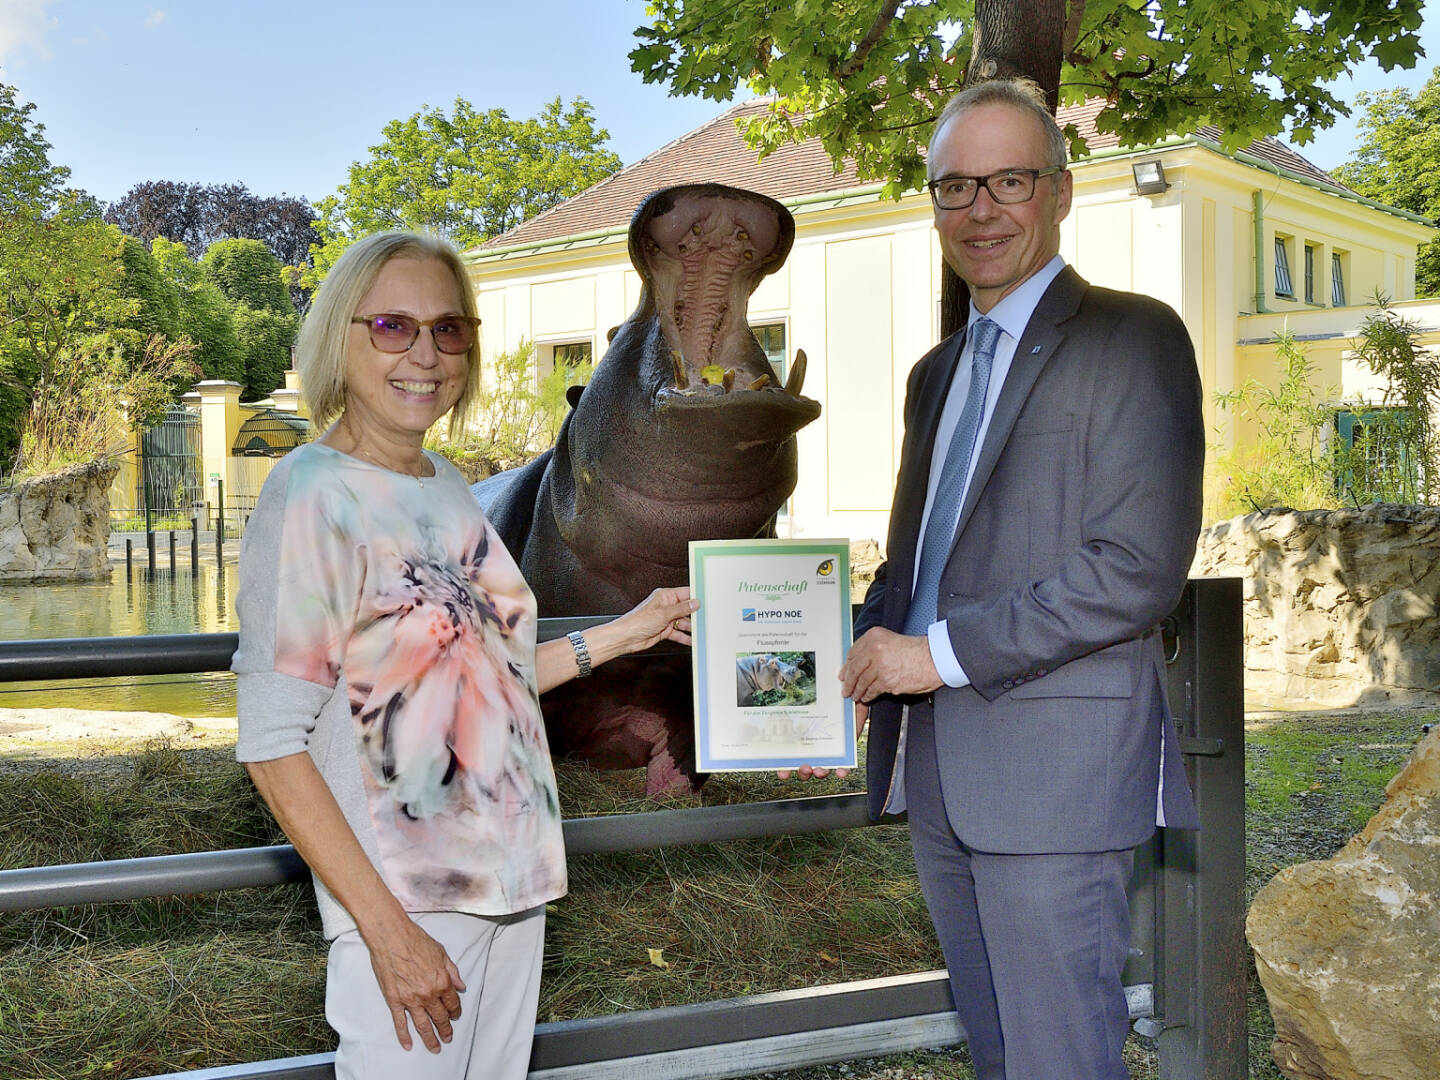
(1034, 944)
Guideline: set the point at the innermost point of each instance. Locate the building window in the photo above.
(771, 337)
(574, 356)
(1337, 279)
(1309, 273)
(1283, 286)
(1374, 460)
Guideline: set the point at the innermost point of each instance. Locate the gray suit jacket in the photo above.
(1073, 543)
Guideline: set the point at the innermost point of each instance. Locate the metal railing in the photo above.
(1185, 981)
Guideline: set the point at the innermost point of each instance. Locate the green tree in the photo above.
(265, 338)
(868, 78)
(157, 298)
(1401, 436)
(28, 181)
(466, 175)
(247, 273)
(1398, 162)
(60, 278)
(251, 280)
(515, 417)
(107, 386)
(1293, 459)
(206, 317)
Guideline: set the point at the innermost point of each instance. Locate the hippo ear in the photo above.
(572, 394)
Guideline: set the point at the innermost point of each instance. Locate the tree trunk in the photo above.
(1013, 39)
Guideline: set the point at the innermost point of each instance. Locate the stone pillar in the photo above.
(219, 405)
(290, 398)
(124, 488)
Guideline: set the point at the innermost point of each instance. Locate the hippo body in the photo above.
(683, 433)
(762, 671)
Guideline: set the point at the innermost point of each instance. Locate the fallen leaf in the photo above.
(657, 958)
(827, 958)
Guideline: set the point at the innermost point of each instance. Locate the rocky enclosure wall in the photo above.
(1339, 604)
(57, 527)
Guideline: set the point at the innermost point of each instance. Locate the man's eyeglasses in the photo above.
(1006, 188)
(398, 333)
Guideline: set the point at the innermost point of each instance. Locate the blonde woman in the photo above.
(389, 682)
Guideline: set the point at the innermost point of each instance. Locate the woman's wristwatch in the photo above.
(582, 652)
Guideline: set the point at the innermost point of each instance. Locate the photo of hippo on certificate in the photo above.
(772, 631)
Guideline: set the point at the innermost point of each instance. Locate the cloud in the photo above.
(154, 18)
(24, 26)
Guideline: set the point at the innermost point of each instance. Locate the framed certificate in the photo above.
(770, 637)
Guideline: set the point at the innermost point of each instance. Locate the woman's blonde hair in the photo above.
(320, 348)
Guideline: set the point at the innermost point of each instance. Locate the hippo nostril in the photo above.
(749, 255)
(695, 228)
(741, 234)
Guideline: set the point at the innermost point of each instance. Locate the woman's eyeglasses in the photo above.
(398, 333)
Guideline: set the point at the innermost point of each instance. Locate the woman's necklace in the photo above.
(419, 477)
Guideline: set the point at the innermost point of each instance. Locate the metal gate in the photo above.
(169, 480)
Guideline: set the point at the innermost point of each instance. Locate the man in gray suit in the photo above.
(1045, 515)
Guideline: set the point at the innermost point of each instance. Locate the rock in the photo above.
(865, 559)
(1346, 949)
(57, 527)
(1339, 604)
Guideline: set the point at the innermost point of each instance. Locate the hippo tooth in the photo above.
(728, 379)
(760, 383)
(797, 374)
(678, 364)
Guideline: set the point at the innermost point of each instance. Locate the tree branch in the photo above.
(869, 41)
(1071, 34)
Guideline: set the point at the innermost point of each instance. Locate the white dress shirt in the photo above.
(1012, 315)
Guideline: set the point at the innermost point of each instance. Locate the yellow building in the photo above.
(211, 450)
(1236, 244)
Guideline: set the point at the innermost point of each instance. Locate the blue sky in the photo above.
(283, 96)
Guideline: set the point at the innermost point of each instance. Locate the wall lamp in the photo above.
(1149, 178)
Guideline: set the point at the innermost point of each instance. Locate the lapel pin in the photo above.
(1035, 350)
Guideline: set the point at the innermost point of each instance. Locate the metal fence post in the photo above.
(220, 522)
(1201, 960)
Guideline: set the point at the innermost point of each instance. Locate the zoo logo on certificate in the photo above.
(770, 636)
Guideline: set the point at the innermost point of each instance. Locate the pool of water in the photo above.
(178, 604)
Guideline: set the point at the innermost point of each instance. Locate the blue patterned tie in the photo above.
(945, 511)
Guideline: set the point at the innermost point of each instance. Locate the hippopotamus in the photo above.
(683, 433)
(762, 671)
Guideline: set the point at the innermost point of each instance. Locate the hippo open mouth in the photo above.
(702, 249)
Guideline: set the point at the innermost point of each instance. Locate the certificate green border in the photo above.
(701, 551)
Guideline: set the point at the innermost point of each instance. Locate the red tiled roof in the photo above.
(715, 152)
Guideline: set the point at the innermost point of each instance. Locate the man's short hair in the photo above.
(1023, 94)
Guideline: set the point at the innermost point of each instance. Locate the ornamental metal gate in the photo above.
(169, 481)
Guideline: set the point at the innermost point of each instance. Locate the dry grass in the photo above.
(132, 989)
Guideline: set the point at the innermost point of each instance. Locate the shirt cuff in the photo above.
(942, 654)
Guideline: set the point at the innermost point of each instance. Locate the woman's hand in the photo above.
(664, 615)
(420, 982)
